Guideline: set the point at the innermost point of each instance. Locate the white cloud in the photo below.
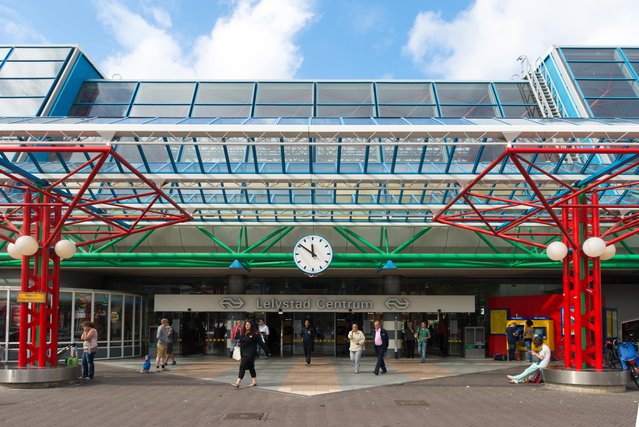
(256, 40)
(484, 41)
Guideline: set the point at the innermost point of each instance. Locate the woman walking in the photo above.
(529, 333)
(248, 341)
(89, 347)
(357, 339)
(235, 335)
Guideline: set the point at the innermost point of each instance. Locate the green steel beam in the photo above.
(412, 240)
(142, 239)
(361, 240)
(351, 241)
(265, 239)
(485, 240)
(215, 239)
(110, 244)
(279, 238)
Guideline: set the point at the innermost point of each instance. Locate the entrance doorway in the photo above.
(291, 341)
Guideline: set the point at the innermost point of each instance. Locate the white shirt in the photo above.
(263, 329)
(544, 356)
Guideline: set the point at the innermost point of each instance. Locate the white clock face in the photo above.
(313, 254)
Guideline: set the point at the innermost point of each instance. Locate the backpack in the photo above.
(536, 377)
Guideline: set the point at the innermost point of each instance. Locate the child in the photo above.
(146, 367)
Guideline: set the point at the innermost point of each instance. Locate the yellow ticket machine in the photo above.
(543, 327)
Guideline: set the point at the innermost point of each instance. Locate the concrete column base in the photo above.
(60, 376)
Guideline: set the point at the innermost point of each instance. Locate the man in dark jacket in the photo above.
(512, 336)
(308, 340)
(380, 341)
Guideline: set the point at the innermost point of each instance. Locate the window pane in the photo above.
(407, 111)
(283, 111)
(14, 317)
(600, 70)
(609, 88)
(344, 93)
(469, 111)
(101, 315)
(106, 93)
(635, 65)
(128, 318)
(590, 54)
(64, 327)
(474, 93)
(405, 93)
(27, 53)
(4, 306)
(99, 110)
(159, 111)
(165, 93)
(344, 111)
(284, 93)
(631, 54)
(221, 111)
(20, 107)
(30, 69)
(515, 93)
(116, 317)
(224, 93)
(22, 87)
(82, 311)
(521, 111)
(614, 108)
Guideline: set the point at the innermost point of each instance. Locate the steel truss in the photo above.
(573, 212)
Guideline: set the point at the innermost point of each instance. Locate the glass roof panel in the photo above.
(423, 121)
(196, 121)
(600, 70)
(159, 111)
(344, 111)
(3, 52)
(589, 54)
(283, 110)
(631, 53)
(635, 66)
(166, 120)
(224, 93)
(106, 92)
(293, 121)
(344, 93)
(358, 121)
(390, 121)
(97, 110)
(470, 111)
(405, 93)
(262, 121)
(30, 69)
(229, 121)
(465, 93)
(326, 121)
(25, 87)
(221, 111)
(609, 88)
(37, 53)
(284, 93)
(614, 107)
(165, 93)
(454, 121)
(515, 93)
(18, 107)
(532, 111)
(408, 111)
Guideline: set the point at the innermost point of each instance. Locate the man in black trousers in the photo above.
(308, 340)
(380, 340)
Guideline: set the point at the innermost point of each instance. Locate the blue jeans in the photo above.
(87, 364)
(422, 349)
(379, 352)
(528, 350)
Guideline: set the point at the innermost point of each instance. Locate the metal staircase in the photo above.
(541, 89)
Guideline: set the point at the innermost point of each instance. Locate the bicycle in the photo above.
(611, 354)
(629, 359)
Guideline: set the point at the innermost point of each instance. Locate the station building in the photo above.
(359, 167)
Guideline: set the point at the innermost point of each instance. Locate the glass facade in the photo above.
(117, 317)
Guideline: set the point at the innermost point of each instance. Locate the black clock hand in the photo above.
(313, 251)
(308, 250)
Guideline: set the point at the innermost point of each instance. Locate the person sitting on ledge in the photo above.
(543, 359)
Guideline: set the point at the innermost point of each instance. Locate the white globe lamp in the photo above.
(13, 252)
(557, 251)
(594, 247)
(26, 245)
(608, 253)
(65, 249)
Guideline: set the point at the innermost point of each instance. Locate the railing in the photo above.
(545, 94)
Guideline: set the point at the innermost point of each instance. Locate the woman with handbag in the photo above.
(89, 347)
(357, 339)
(248, 341)
(235, 334)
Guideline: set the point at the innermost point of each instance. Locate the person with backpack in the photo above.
(543, 359)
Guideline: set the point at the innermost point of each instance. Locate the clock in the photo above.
(313, 254)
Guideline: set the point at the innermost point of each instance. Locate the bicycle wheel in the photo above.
(634, 374)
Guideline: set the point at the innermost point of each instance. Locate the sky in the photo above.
(317, 39)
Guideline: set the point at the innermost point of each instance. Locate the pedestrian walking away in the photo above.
(248, 342)
(89, 339)
(543, 359)
(356, 339)
(163, 340)
(422, 335)
(308, 340)
(512, 336)
(529, 333)
(380, 340)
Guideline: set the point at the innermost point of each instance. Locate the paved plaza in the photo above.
(446, 392)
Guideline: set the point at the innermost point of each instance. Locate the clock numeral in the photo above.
(299, 261)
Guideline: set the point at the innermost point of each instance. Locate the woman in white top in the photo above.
(543, 360)
(89, 347)
(357, 339)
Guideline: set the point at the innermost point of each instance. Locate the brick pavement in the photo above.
(123, 397)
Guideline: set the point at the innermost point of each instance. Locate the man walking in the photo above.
(164, 337)
(423, 335)
(308, 340)
(380, 340)
(512, 336)
(264, 332)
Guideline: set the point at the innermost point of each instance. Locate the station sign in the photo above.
(316, 303)
(34, 297)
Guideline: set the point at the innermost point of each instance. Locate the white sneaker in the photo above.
(511, 377)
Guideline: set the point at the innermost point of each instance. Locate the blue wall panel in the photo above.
(82, 70)
(560, 87)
